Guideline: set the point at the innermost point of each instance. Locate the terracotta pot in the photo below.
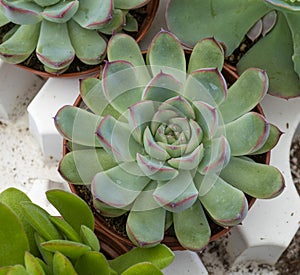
(105, 230)
(151, 9)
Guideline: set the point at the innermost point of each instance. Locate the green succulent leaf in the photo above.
(54, 48)
(62, 265)
(142, 268)
(91, 15)
(284, 5)
(92, 262)
(166, 55)
(40, 220)
(216, 15)
(16, 270)
(12, 197)
(93, 50)
(11, 252)
(61, 12)
(247, 134)
(207, 53)
(129, 5)
(284, 82)
(21, 44)
(44, 3)
(89, 238)
(117, 186)
(207, 85)
(3, 19)
(131, 24)
(21, 12)
(248, 91)
(72, 208)
(70, 249)
(78, 125)
(80, 166)
(32, 265)
(47, 256)
(66, 229)
(114, 24)
(160, 256)
(225, 204)
(256, 179)
(193, 236)
(182, 196)
(107, 210)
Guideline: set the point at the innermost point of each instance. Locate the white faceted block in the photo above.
(16, 85)
(271, 224)
(56, 93)
(186, 263)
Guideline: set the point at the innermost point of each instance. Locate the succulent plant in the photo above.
(163, 142)
(230, 21)
(59, 30)
(34, 242)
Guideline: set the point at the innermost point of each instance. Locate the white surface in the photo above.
(16, 85)
(271, 224)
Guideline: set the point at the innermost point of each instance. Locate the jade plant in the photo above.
(230, 21)
(59, 30)
(34, 242)
(167, 142)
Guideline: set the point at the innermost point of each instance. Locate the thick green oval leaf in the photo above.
(80, 167)
(142, 268)
(129, 5)
(256, 179)
(72, 250)
(160, 256)
(73, 209)
(78, 125)
(89, 238)
(115, 24)
(191, 227)
(54, 48)
(39, 220)
(32, 265)
(11, 252)
(21, 44)
(91, 263)
(92, 51)
(62, 265)
(12, 197)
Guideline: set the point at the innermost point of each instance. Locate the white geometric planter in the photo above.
(17, 85)
(271, 224)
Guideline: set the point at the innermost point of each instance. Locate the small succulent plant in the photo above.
(163, 142)
(34, 242)
(230, 21)
(59, 30)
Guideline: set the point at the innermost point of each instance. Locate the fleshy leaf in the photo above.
(54, 48)
(118, 187)
(114, 24)
(131, 24)
(3, 19)
(146, 228)
(92, 262)
(89, 238)
(284, 82)
(248, 91)
(121, 85)
(177, 194)
(93, 50)
(80, 166)
(11, 229)
(196, 137)
(61, 12)
(160, 56)
(72, 208)
(21, 44)
(207, 53)
(129, 5)
(32, 264)
(62, 265)
(21, 12)
(117, 139)
(284, 5)
(193, 236)
(78, 125)
(155, 169)
(225, 204)
(217, 154)
(206, 85)
(247, 133)
(107, 210)
(91, 15)
(143, 268)
(256, 179)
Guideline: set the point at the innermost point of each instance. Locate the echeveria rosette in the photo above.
(276, 47)
(168, 144)
(59, 30)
